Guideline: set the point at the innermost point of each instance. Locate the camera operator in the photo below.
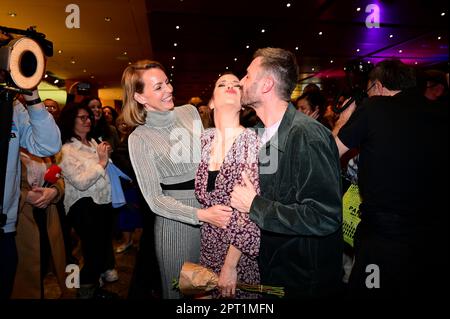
(403, 142)
(32, 128)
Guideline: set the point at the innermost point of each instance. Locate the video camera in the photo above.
(22, 67)
(357, 75)
(22, 59)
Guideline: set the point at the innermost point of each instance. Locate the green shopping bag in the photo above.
(350, 203)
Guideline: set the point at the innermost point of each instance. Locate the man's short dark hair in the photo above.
(394, 75)
(283, 65)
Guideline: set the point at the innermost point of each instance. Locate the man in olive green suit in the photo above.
(299, 210)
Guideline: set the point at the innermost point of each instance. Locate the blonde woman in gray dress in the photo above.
(165, 152)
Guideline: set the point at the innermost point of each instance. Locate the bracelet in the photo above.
(33, 102)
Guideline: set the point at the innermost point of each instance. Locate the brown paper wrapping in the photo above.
(196, 279)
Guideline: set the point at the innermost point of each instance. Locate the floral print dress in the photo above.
(241, 232)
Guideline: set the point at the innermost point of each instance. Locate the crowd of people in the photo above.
(249, 185)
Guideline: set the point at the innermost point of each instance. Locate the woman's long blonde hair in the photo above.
(134, 112)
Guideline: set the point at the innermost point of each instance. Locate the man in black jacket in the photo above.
(299, 210)
(401, 243)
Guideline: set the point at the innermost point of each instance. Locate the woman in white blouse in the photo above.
(88, 197)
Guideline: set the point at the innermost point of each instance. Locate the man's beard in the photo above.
(252, 105)
(249, 101)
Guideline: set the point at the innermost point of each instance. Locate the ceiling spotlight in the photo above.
(235, 59)
(129, 62)
(125, 53)
(313, 69)
(117, 38)
(60, 51)
(92, 76)
(46, 76)
(12, 14)
(171, 74)
(439, 38)
(263, 30)
(226, 68)
(331, 61)
(288, 5)
(415, 62)
(56, 81)
(391, 36)
(175, 44)
(400, 51)
(247, 46)
(173, 58)
(358, 9)
(84, 70)
(296, 48)
(177, 27)
(357, 50)
(320, 33)
(107, 19)
(72, 61)
(442, 14)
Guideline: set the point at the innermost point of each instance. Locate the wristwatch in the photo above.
(33, 102)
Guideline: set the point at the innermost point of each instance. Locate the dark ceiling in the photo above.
(212, 34)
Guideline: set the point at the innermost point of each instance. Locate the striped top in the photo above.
(166, 149)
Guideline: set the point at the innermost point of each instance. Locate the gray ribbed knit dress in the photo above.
(166, 149)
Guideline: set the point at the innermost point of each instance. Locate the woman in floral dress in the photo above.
(228, 150)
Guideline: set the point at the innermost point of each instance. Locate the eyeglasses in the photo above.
(83, 118)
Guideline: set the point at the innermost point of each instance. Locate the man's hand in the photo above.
(242, 196)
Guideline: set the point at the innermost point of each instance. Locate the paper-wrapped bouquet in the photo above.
(196, 279)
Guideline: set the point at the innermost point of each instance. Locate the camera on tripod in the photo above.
(357, 75)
